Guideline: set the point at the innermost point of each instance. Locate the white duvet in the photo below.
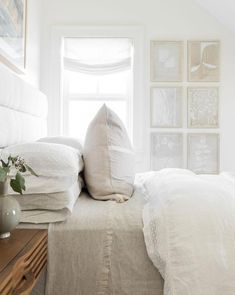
(189, 230)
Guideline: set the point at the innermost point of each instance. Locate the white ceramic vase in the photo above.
(9, 212)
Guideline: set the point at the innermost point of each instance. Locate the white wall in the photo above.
(222, 10)
(168, 19)
(33, 38)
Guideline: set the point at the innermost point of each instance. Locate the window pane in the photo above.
(114, 83)
(82, 112)
(81, 83)
(89, 84)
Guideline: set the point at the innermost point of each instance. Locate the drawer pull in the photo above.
(28, 279)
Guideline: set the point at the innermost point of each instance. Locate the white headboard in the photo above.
(23, 110)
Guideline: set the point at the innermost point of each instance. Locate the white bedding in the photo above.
(48, 208)
(56, 165)
(44, 216)
(189, 229)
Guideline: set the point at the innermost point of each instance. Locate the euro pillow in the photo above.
(109, 158)
(57, 165)
(66, 140)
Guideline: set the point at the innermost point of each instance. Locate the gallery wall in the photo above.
(162, 20)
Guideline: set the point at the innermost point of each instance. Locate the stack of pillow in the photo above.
(108, 170)
(50, 197)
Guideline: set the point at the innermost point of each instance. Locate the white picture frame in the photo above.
(203, 61)
(166, 107)
(203, 153)
(203, 107)
(166, 61)
(166, 150)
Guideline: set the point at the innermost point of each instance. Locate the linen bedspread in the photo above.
(100, 250)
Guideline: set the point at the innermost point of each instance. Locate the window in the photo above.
(96, 71)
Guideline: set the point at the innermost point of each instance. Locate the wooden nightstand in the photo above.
(23, 257)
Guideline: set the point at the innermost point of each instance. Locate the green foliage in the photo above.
(3, 174)
(17, 182)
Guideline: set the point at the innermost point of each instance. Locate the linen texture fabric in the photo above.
(108, 158)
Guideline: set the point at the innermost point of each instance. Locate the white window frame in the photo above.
(139, 107)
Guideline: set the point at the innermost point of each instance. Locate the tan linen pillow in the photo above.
(109, 158)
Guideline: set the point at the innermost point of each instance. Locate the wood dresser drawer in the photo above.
(22, 258)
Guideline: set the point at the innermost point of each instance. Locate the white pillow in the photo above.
(70, 141)
(108, 157)
(57, 165)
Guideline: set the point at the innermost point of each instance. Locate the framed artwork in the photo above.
(12, 34)
(203, 153)
(203, 61)
(166, 107)
(166, 61)
(166, 150)
(203, 107)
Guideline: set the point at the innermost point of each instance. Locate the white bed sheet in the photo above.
(48, 208)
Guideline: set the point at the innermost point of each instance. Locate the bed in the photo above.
(100, 249)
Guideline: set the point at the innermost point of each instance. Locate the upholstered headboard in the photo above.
(23, 110)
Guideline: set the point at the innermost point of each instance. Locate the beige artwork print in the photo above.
(166, 107)
(166, 61)
(203, 153)
(166, 150)
(203, 61)
(203, 107)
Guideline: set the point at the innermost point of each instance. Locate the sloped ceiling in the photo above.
(223, 10)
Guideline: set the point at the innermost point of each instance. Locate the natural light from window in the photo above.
(96, 71)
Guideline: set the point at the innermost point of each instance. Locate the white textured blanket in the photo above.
(189, 229)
